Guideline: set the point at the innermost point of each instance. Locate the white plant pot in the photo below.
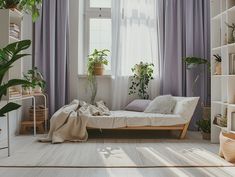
(37, 89)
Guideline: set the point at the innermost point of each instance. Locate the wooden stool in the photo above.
(28, 124)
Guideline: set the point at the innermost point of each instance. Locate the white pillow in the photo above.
(185, 106)
(162, 105)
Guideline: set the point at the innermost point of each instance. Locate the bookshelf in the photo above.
(11, 31)
(222, 84)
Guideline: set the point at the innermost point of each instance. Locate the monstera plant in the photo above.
(8, 55)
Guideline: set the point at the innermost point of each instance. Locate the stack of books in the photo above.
(232, 64)
(14, 93)
(14, 31)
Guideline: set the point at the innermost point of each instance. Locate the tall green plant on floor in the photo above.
(8, 55)
(143, 74)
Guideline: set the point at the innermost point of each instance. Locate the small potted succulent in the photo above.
(218, 61)
(37, 83)
(204, 126)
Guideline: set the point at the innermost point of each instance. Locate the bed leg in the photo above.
(184, 131)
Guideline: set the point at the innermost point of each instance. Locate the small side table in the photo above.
(25, 97)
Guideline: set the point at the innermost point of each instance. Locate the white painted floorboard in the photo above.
(114, 157)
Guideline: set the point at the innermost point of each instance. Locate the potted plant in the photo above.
(37, 82)
(194, 62)
(95, 66)
(28, 6)
(96, 62)
(10, 4)
(143, 74)
(8, 55)
(218, 61)
(232, 34)
(204, 126)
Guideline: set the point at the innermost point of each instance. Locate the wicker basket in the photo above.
(41, 113)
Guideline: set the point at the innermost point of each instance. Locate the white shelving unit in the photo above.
(222, 86)
(8, 17)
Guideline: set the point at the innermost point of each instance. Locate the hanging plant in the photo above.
(143, 74)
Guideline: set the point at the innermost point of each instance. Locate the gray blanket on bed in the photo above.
(69, 122)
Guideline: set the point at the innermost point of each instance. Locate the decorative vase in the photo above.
(206, 136)
(218, 69)
(37, 89)
(99, 69)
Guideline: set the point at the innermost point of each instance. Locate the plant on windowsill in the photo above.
(143, 74)
(204, 126)
(218, 61)
(95, 66)
(28, 6)
(8, 55)
(37, 82)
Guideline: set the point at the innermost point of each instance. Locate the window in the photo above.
(98, 27)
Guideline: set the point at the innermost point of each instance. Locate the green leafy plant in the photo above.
(204, 125)
(194, 62)
(97, 57)
(8, 55)
(35, 78)
(218, 58)
(28, 6)
(143, 73)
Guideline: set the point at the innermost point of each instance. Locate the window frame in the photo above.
(92, 13)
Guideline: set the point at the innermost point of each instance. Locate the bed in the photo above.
(178, 120)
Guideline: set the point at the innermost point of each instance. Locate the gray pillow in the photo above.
(137, 105)
(162, 105)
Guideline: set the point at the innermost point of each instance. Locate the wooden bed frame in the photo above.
(183, 128)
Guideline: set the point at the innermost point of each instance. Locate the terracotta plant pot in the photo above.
(206, 136)
(218, 70)
(99, 69)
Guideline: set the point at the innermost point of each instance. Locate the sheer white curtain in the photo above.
(134, 25)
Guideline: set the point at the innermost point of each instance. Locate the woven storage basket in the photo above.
(41, 113)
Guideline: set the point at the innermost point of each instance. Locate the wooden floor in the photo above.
(105, 156)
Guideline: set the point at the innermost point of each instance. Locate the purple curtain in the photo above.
(51, 50)
(184, 30)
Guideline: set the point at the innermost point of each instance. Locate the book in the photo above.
(15, 27)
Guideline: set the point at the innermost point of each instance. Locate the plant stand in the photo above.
(25, 97)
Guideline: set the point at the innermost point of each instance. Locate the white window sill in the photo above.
(84, 76)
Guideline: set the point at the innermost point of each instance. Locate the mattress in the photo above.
(119, 119)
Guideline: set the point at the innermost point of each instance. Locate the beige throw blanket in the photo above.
(69, 122)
